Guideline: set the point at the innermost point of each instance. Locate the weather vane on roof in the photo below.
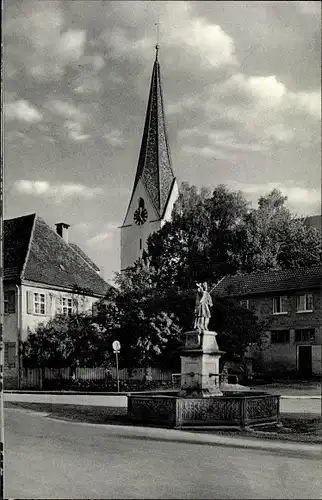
(158, 33)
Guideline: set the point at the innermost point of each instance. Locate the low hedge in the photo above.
(104, 385)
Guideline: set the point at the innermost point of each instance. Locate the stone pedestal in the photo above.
(200, 365)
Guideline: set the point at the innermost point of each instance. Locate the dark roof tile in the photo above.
(260, 283)
(50, 260)
(17, 234)
(84, 256)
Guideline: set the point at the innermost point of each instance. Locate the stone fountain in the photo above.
(204, 400)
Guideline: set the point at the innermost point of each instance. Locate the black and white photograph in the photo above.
(160, 249)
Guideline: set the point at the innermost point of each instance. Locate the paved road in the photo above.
(287, 405)
(47, 458)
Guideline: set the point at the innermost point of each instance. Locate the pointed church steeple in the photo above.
(154, 164)
(155, 188)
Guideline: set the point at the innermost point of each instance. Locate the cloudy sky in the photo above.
(241, 83)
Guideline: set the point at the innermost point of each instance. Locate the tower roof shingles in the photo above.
(154, 164)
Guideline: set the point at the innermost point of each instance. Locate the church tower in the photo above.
(155, 188)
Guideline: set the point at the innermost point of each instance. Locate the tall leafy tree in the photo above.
(201, 241)
(274, 238)
(66, 342)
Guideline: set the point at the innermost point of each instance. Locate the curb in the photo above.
(81, 393)
(300, 397)
(180, 436)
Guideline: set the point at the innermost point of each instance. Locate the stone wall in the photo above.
(283, 357)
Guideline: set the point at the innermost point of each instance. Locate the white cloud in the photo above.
(222, 139)
(264, 108)
(40, 45)
(22, 110)
(185, 103)
(66, 110)
(71, 45)
(114, 137)
(57, 192)
(88, 85)
(192, 35)
(88, 81)
(75, 131)
(300, 200)
(104, 238)
(204, 151)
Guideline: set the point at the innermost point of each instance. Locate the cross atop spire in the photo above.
(157, 46)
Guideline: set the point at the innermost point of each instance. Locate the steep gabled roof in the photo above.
(260, 283)
(84, 256)
(154, 164)
(17, 233)
(42, 256)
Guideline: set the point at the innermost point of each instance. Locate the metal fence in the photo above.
(37, 378)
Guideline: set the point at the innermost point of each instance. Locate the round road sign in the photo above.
(116, 345)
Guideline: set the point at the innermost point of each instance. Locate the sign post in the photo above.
(2, 488)
(116, 348)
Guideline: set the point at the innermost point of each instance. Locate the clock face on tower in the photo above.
(140, 215)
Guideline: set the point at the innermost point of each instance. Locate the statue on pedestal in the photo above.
(202, 313)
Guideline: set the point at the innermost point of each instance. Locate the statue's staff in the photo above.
(216, 285)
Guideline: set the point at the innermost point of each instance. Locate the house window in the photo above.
(304, 303)
(10, 354)
(305, 335)
(244, 303)
(39, 303)
(9, 302)
(140, 243)
(67, 306)
(279, 305)
(280, 336)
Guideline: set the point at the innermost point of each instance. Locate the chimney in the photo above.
(62, 230)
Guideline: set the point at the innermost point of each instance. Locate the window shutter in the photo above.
(48, 304)
(30, 302)
(58, 305)
(75, 305)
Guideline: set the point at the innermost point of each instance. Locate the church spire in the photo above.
(154, 164)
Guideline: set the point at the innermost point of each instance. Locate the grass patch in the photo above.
(296, 427)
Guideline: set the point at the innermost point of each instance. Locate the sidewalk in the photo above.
(288, 404)
(292, 390)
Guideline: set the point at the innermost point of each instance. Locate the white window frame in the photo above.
(242, 302)
(67, 306)
(39, 303)
(299, 306)
(282, 304)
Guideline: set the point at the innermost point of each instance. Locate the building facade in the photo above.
(290, 303)
(155, 188)
(44, 275)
